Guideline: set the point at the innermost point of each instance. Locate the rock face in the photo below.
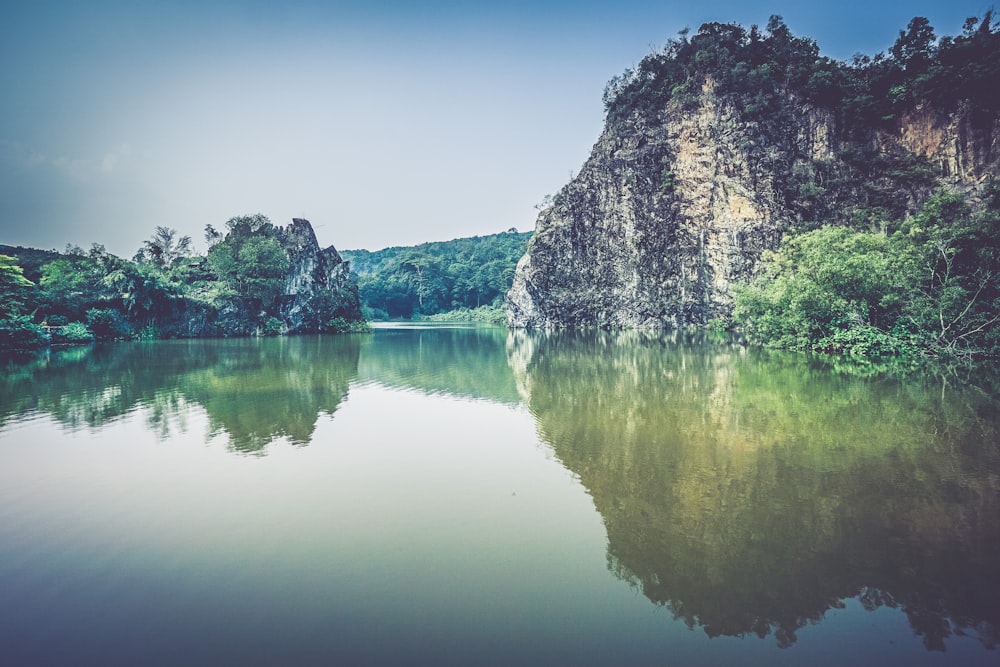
(668, 213)
(318, 286)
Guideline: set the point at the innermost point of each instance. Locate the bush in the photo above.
(20, 333)
(340, 325)
(274, 327)
(109, 324)
(832, 289)
(73, 333)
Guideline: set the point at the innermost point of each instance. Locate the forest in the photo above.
(459, 279)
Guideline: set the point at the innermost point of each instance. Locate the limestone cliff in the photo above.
(683, 193)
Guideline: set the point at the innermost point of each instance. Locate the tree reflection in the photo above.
(467, 362)
(253, 390)
(750, 492)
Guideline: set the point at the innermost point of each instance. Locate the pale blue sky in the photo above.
(384, 123)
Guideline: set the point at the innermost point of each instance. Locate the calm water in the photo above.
(449, 496)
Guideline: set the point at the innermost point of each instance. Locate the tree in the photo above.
(831, 289)
(956, 300)
(67, 285)
(141, 291)
(250, 261)
(164, 249)
(932, 287)
(13, 286)
(914, 49)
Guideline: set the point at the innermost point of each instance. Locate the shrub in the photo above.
(340, 325)
(274, 327)
(19, 332)
(73, 333)
(108, 324)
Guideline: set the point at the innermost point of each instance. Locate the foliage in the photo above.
(142, 291)
(66, 285)
(30, 259)
(757, 65)
(432, 278)
(955, 302)
(20, 332)
(760, 68)
(165, 249)
(109, 324)
(164, 291)
(342, 325)
(13, 286)
(74, 332)
(273, 327)
(932, 286)
(250, 261)
(491, 314)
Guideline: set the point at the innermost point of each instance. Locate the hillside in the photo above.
(436, 277)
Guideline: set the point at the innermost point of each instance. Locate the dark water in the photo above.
(449, 496)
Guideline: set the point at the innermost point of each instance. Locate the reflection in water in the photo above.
(747, 492)
(751, 492)
(253, 390)
(466, 362)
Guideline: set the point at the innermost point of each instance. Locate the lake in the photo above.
(471, 496)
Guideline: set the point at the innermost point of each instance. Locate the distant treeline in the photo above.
(435, 278)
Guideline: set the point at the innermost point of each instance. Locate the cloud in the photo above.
(111, 160)
(78, 169)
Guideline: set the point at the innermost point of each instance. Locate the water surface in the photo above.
(435, 495)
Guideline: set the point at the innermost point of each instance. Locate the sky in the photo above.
(383, 122)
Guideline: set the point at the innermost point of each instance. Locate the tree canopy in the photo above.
(762, 67)
(433, 278)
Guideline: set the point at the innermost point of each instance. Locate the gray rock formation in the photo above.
(668, 213)
(318, 286)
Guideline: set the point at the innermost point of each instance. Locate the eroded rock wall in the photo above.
(668, 214)
(318, 286)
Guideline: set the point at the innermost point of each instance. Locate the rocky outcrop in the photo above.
(316, 294)
(670, 211)
(318, 286)
(962, 146)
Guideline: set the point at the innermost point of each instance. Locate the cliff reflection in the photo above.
(751, 492)
(253, 390)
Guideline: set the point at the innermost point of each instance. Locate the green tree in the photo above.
(13, 286)
(933, 286)
(250, 261)
(17, 330)
(956, 300)
(831, 289)
(164, 249)
(67, 286)
(432, 278)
